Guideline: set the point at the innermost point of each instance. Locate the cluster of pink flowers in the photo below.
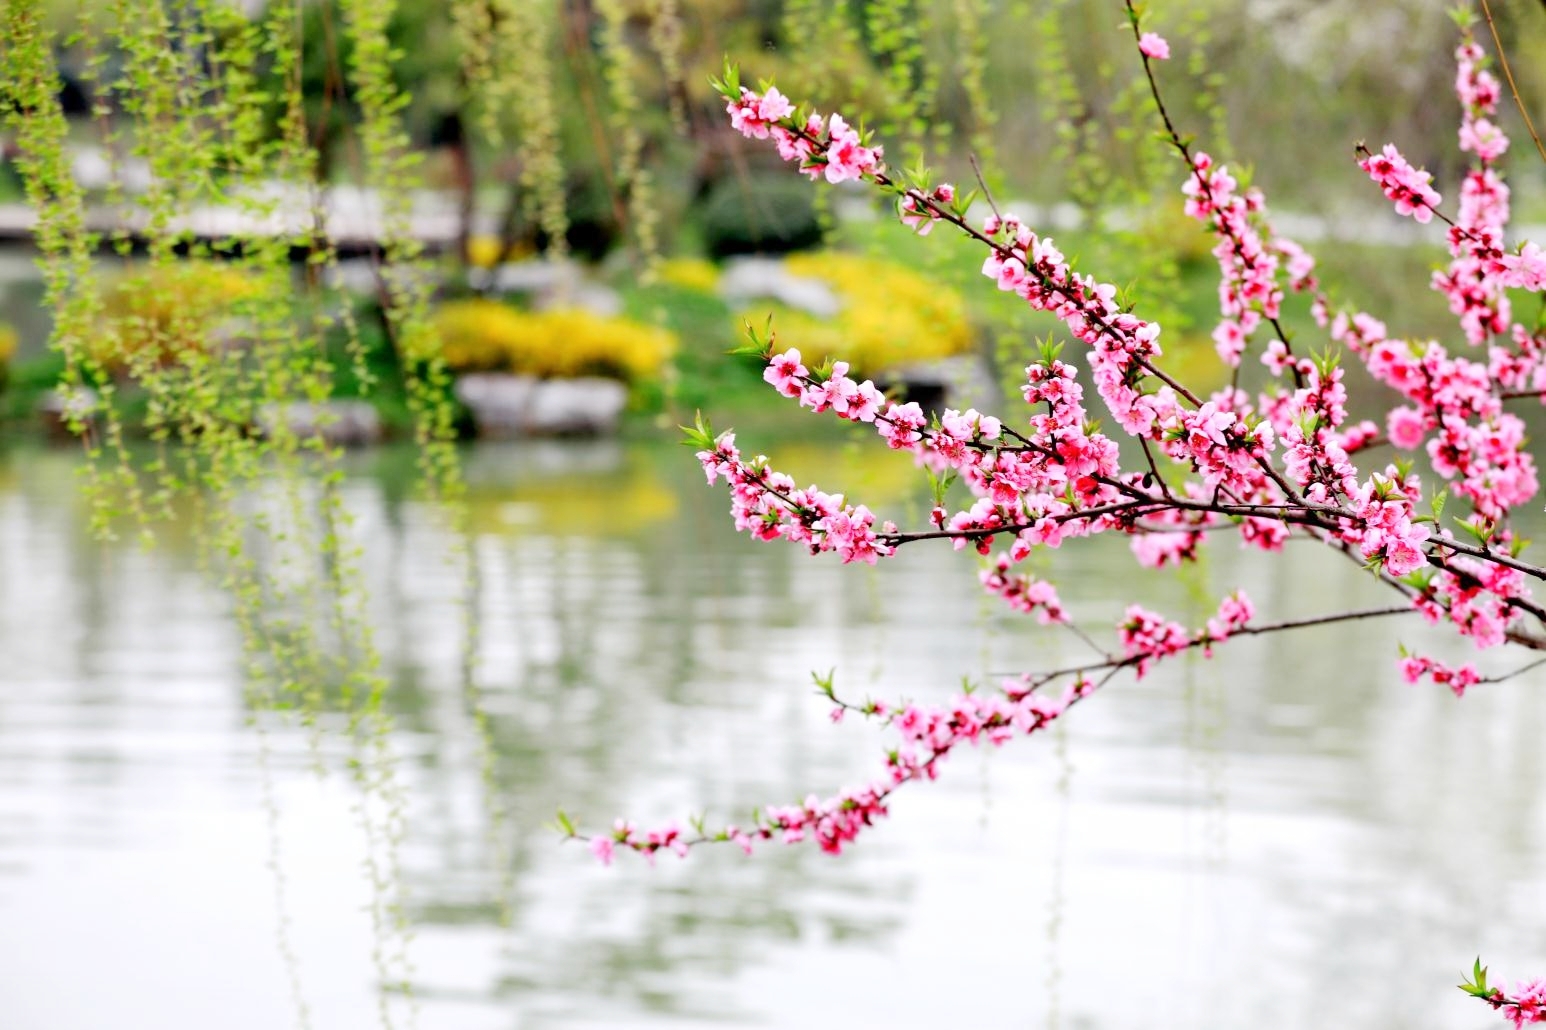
(1316, 455)
(1154, 46)
(768, 505)
(1278, 462)
(1476, 445)
(1036, 485)
(928, 734)
(1148, 637)
(1034, 488)
(1525, 270)
(920, 215)
(1023, 593)
(1234, 612)
(823, 147)
(1415, 667)
(1408, 187)
(1224, 447)
(1527, 1003)
(1123, 346)
(1387, 535)
(1248, 267)
(1474, 596)
(1475, 295)
(1175, 546)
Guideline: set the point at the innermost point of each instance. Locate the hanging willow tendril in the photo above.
(620, 75)
(895, 30)
(207, 332)
(522, 83)
(972, 66)
(666, 40)
(473, 23)
(29, 89)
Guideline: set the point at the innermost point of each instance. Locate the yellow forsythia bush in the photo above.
(891, 315)
(689, 273)
(485, 335)
(168, 311)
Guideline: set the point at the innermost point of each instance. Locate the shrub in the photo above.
(485, 335)
(689, 274)
(165, 313)
(759, 214)
(891, 315)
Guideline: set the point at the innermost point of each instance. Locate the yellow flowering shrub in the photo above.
(690, 274)
(891, 315)
(485, 335)
(488, 251)
(168, 311)
(7, 343)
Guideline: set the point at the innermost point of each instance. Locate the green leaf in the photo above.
(940, 484)
(700, 434)
(824, 683)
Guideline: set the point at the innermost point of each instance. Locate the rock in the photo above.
(499, 402)
(340, 423)
(60, 408)
(536, 277)
(578, 407)
(94, 169)
(960, 382)
(593, 297)
(505, 405)
(753, 278)
(354, 275)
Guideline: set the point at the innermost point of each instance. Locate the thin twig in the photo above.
(1517, 672)
(982, 181)
(1245, 631)
(1509, 75)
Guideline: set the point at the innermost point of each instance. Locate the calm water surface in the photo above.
(1285, 836)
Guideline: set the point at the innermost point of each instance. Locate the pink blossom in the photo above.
(1402, 183)
(847, 157)
(774, 106)
(1154, 46)
(1529, 1002)
(785, 373)
(1405, 427)
(1147, 637)
(1052, 475)
(1483, 139)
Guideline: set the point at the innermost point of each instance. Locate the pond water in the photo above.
(1284, 836)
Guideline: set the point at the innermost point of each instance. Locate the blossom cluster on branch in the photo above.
(1285, 461)
(1526, 1003)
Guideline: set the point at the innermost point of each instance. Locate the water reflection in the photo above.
(1285, 835)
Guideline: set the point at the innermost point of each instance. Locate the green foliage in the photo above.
(762, 213)
(632, 177)
(525, 33)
